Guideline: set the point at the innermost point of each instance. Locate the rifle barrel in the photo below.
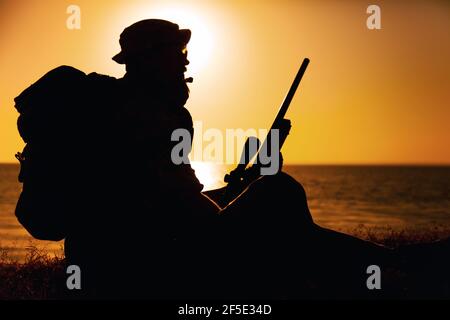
(237, 181)
(285, 105)
(287, 100)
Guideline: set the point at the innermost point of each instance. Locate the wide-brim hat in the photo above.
(144, 35)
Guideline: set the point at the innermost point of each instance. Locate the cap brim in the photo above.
(119, 58)
(185, 35)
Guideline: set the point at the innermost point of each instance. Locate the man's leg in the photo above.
(261, 236)
(272, 248)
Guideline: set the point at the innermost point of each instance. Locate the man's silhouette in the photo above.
(137, 224)
(157, 213)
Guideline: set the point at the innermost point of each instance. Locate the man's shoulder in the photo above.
(101, 90)
(103, 78)
(99, 81)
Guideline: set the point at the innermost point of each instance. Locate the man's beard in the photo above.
(176, 92)
(172, 89)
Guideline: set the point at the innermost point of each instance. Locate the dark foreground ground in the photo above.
(421, 271)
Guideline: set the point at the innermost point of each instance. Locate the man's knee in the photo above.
(281, 192)
(280, 183)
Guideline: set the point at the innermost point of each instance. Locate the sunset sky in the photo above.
(368, 96)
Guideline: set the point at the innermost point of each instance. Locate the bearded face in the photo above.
(161, 71)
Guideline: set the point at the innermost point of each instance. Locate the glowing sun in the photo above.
(200, 46)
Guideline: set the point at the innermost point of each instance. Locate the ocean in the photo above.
(339, 197)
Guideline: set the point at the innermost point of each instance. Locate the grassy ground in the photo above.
(39, 277)
(395, 238)
(44, 277)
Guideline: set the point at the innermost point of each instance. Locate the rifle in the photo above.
(239, 178)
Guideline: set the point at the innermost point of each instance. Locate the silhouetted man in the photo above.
(137, 224)
(248, 249)
(153, 211)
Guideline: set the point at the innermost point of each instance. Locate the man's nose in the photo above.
(186, 62)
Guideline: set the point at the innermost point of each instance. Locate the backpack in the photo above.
(54, 125)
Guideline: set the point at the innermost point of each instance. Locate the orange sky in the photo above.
(369, 96)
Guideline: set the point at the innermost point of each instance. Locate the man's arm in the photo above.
(204, 204)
